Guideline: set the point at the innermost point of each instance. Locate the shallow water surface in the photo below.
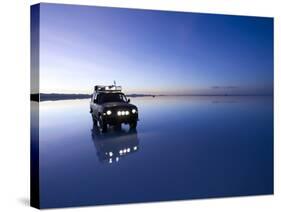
(183, 148)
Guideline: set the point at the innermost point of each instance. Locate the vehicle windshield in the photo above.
(111, 97)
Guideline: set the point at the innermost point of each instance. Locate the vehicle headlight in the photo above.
(123, 113)
(134, 111)
(127, 112)
(108, 112)
(119, 113)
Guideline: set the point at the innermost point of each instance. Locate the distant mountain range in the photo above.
(57, 96)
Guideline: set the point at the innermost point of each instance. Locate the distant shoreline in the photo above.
(56, 96)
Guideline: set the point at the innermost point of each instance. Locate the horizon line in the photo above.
(148, 94)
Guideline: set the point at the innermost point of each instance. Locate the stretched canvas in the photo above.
(133, 105)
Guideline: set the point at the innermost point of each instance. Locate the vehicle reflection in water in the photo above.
(115, 144)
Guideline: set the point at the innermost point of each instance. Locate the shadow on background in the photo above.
(24, 201)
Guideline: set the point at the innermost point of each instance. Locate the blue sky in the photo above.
(156, 52)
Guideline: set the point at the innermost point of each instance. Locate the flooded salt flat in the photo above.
(183, 148)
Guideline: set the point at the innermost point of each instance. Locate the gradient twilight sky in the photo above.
(156, 52)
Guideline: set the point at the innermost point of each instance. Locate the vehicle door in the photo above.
(95, 105)
(92, 101)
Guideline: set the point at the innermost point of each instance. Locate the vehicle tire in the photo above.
(101, 125)
(133, 125)
(94, 120)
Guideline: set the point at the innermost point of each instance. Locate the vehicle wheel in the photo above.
(133, 124)
(94, 120)
(101, 125)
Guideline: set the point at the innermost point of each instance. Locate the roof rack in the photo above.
(107, 88)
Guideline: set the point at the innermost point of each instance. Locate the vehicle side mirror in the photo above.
(128, 100)
(95, 101)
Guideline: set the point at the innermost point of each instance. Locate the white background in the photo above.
(14, 103)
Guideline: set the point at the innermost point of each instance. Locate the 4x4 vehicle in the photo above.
(109, 106)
